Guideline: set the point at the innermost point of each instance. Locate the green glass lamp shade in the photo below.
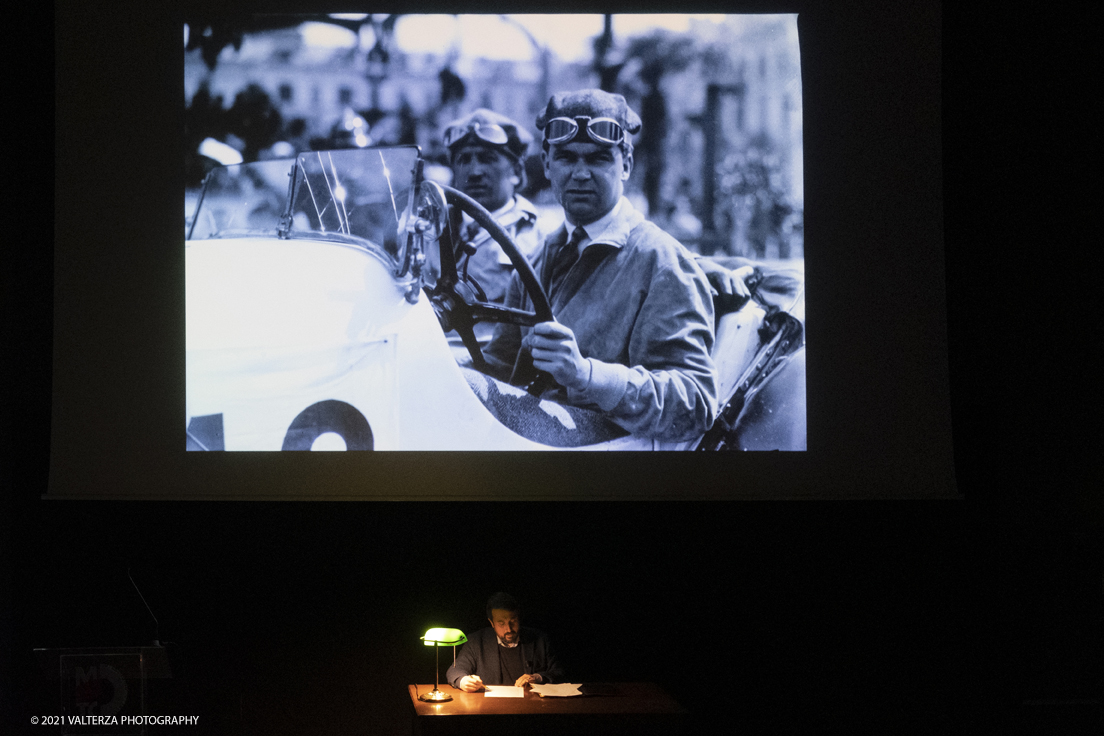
(440, 638)
(444, 638)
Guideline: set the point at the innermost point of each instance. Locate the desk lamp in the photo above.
(438, 638)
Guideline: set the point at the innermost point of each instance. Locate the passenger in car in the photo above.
(487, 157)
(634, 317)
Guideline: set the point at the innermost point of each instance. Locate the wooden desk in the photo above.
(603, 708)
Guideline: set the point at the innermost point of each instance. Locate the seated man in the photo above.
(506, 653)
(487, 158)
(634, 317)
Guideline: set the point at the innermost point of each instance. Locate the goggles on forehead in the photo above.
(601, 130)
(489, 132)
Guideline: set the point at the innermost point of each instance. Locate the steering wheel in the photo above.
(456, 302)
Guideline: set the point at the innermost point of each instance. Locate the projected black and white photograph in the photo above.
(494, 232)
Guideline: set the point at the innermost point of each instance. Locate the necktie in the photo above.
(566, 257)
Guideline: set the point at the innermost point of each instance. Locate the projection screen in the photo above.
(317, 294)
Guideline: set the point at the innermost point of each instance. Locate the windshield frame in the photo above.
(298, 170)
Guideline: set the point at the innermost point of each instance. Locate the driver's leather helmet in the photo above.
(593, 104)
(488, 128)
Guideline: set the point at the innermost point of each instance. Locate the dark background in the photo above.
(980, 615)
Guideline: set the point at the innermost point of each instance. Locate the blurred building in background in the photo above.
(718, 162)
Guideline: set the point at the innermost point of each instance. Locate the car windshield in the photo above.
(356, 196)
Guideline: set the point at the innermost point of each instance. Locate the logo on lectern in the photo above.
(99, 690)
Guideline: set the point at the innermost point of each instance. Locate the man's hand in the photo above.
(555, 351)
(471, 683)
(726, 282)
(524, 679)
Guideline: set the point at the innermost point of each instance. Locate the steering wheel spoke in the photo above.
(485, 312)
(467, 334)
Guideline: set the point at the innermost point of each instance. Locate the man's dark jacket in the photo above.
(480, 657)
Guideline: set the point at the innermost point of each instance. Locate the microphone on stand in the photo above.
(156, 624)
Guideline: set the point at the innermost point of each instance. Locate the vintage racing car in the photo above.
(319, 291)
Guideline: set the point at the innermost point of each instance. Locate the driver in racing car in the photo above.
(634, 318)
(487, 154)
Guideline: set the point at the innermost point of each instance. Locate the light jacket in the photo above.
(642, 313)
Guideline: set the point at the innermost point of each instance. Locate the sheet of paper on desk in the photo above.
(504, 691)
(559, 690)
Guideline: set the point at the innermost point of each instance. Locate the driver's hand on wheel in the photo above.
(555, 351)
(471, 683)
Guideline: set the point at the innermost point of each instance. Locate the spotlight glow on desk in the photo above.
(438, 638)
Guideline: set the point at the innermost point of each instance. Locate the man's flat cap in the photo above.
(477, 128)
(592, 103)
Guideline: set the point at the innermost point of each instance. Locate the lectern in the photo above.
(101, 690)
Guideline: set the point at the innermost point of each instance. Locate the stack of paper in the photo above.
(561, 690)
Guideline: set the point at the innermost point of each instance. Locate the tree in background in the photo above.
(755, 200)
(255, 119)
(252, 124)
(648, 59)
(212, 33)
(204, 118)
(211, 36)
(638, 73)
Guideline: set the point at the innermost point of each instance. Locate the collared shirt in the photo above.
(504, 644)
(490, 266)
(641, 311)
(469, 225)
(595, 230)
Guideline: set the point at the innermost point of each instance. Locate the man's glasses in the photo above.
(489, 132)
(601, 130)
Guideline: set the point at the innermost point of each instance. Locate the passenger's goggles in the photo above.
(489, 132)
(601, 130)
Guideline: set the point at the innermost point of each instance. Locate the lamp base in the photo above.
(435, 696)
